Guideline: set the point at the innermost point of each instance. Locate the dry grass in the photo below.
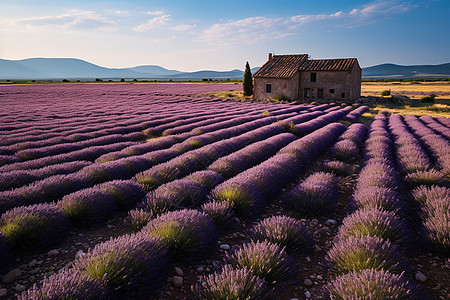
(414, 90)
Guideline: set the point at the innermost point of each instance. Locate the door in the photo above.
(320, 93)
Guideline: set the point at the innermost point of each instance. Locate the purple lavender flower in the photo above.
(337, 167)
(286, 232)
(246, 199)
(222, 213)
(182, 193)
(36, 225)
(209, 179)
(190, 234)
(380, 198)
(266, 260)
(138, 218)
(345, 150)
(127, 264)
(68, 285)
(88, 206)
(424, 194)
(428, 178)
(436, 216)
(373, 284)
(365, 252)
(126, 193)
(233, 284)
(316, 196)
(376, 223)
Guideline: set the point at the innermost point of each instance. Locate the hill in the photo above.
(398, 71)
(72, 68)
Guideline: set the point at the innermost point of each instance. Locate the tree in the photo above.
(248, 82)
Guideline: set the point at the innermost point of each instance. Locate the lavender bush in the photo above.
(138, 218)
(190, 234)
(365, 252)
(286, 232)
(175, 195)
(128, 264)
(345, 150)
(428, 178)
(380, 198)
(232, 284)
(68, 285)
(88, 206)
(222, 213)
(373, 284)
(337, 167)
(376, 223)
(126, 193)
(246, 199)
(209, 179)
(266, 260)
(37, 225)
(316, 196)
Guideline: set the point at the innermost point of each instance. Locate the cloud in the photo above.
(153, 23)
(73, 20)
(183, 27)
(155, 13)
(254, 29)
(246, 30)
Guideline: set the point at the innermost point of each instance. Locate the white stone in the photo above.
(178, 281)
(32, 263)
(19, 288)
(200, 269)
(53, 253)
(79, 254)
(307, 294)
(179, 272)
(307, 282)
(308, 259)
(332, 221)
(225, 247)
(421, 277)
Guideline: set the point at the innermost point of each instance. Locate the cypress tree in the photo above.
(248, 82)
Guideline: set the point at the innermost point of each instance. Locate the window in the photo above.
(313, 77)
(331, 91)
(268, 88)
(307, 93)
(343, 95)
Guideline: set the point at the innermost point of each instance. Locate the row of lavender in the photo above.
(50, 106)
(114, 133)
(429, 187)
(93, 205)
(187, 233)
(264, 264)
(56, 186)
(368, 254)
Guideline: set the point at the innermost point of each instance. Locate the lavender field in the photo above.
(157, 191)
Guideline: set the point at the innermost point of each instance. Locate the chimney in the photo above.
(270, 56)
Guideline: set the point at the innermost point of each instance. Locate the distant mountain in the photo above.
(71, 68)
(397, 71)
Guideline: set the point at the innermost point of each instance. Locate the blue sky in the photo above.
(223, 35)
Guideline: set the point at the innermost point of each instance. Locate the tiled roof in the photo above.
(340, 64)
(281, 66)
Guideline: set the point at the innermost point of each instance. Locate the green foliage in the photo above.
(385, 93)
(281, 98)
(248, 82)
(428, 99)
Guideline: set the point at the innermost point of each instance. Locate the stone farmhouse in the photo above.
(299, 78)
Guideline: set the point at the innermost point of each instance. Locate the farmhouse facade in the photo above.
(299, 78)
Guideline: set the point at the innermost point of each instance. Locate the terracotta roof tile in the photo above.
(340, 64)
(281, 66)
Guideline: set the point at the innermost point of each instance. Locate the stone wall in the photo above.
(280, 87)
